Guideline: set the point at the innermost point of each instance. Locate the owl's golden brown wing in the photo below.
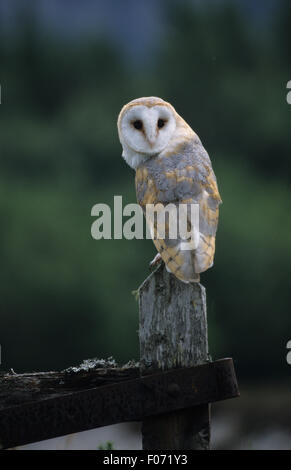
(185, 177)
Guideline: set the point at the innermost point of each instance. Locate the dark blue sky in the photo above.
(134, 24)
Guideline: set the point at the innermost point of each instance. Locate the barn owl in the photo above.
(171, 166)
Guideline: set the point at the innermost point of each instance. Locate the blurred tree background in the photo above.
(64, 296)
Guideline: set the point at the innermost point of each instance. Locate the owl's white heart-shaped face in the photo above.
(147, 129)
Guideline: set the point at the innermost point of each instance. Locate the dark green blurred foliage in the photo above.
(65, 297)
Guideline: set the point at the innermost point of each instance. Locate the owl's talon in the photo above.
(157, 260)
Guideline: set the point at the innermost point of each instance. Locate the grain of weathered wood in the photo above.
(18, 389)
(173, 333)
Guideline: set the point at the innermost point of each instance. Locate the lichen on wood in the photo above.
(23, 388)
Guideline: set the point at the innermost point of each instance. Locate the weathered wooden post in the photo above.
(173, 334)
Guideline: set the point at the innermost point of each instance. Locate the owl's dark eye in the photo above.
(137, 124)
(161, 123)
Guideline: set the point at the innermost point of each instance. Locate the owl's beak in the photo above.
(151, 134)
(151, 138)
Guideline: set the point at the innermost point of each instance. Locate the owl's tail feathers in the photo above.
(178, 262)
(203, 256)
(195, 277)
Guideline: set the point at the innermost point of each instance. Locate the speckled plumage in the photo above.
(181, 173)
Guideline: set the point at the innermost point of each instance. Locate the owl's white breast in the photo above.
(132, 158)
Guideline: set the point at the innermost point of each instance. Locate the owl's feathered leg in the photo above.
(157, 260)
